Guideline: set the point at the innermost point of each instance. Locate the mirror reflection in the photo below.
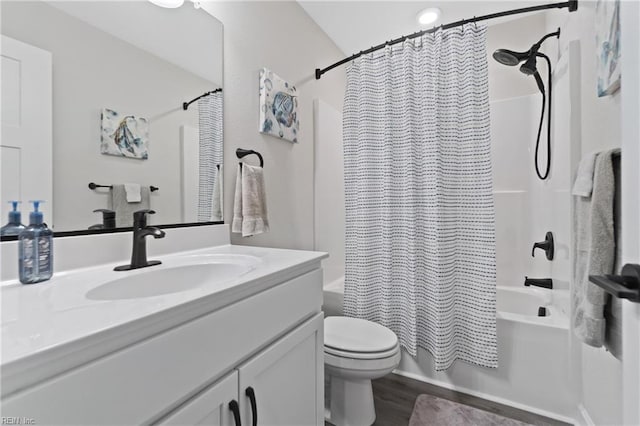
(109, 108)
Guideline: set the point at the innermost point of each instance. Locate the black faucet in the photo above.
(140, 232)
(547, 245)
(539, 282)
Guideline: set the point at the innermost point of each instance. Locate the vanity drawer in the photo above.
(151, 377)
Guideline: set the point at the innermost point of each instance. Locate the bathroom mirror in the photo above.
(93, 98)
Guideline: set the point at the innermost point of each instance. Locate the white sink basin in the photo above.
(159, 280)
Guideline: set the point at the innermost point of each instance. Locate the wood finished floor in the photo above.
(395, 396)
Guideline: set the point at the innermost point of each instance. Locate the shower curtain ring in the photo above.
(475, 23)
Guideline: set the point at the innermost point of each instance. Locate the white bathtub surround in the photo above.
(420, 231)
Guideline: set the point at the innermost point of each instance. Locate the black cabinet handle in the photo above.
(625, 286)
(235, 409)
(254, 406)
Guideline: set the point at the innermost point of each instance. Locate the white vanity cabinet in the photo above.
(281, 385)
(213, 407)
(270, 340)
(287, 379)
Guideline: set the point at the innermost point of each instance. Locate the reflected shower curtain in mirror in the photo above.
(420, 226)
(210, 195)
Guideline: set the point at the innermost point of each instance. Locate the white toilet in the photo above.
(355, 352)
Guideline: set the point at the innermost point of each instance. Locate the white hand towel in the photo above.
(250, 204)
(236, 223)
(216, 203)
(583, 185)
(133, 192)
(254, 201)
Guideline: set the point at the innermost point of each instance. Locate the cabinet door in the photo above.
(284, 384)
(211, 407)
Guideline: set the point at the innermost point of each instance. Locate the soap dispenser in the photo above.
(14, 227)
(35, 245)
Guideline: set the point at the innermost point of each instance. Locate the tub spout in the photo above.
(539, 282)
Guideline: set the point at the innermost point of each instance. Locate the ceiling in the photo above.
(358, 25)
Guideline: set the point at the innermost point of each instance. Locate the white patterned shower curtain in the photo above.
(420, 227)
(210, 155)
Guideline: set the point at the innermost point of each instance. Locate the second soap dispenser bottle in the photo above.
(35, 245)
(14, 226)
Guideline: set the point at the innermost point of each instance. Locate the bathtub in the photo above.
(533, 371)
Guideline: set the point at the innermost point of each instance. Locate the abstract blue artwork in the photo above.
(124, 135)
(608, 46)
(278, 107)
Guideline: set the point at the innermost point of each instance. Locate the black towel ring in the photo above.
(240, 153)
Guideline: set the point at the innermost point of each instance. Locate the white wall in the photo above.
(93, 70)
(329, 189)
(185, 36)
(282, 37)
(597, 374)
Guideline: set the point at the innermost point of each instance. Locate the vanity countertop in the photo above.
(49, 326)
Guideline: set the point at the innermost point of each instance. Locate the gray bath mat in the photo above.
(433, 411)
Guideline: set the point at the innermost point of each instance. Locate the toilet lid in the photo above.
(357, 335)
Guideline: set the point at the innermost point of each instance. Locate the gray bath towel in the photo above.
(594, 249)
(124, 209)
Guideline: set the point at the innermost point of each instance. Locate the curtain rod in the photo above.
(571, 4)
(185, 105)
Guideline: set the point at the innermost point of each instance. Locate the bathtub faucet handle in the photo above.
(547, 245)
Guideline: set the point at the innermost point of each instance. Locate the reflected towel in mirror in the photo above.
(133, 192)
(217, 202)
(125, 209)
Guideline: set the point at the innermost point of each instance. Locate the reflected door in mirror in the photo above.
(25, 148)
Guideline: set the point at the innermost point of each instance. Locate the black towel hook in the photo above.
(240, 153)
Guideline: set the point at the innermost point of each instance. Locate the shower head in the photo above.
(509, 57)
(530, 67)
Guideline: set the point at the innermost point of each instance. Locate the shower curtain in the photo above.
(210, 158)
(420, 231)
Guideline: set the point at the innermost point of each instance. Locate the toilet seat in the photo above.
(369, 368)
(361, 355)
(358, 338)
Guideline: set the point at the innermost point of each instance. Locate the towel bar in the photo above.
(240, 153)
(625, 286)
(93, 186)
